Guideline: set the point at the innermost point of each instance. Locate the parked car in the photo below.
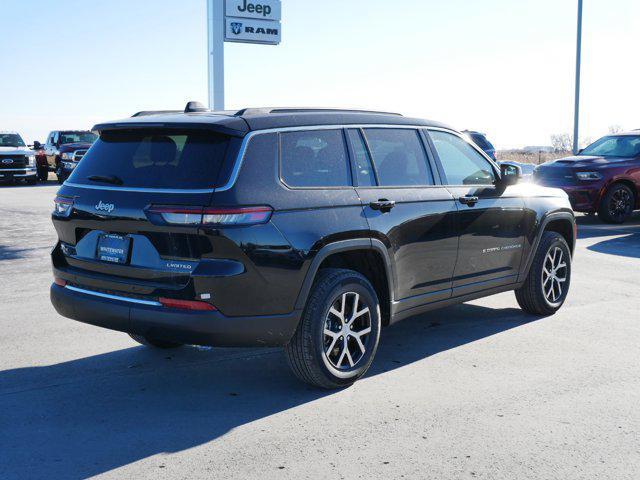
(65, 148)
(604, 177)
(308, 229)
(526, 168)
(481, 140)
(17, 160)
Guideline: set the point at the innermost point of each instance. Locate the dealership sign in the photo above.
(250, 21)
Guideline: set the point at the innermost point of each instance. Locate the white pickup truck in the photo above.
(17, 160)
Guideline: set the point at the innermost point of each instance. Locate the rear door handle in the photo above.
(469, 200)
(382, 204)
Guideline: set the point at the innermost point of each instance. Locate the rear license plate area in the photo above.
(113, 248)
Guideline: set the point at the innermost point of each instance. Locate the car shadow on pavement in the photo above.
(92, 415)
(591, 226)
(13, 253)
(625, 246)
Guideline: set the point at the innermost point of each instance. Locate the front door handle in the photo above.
(382, 204)
(470, 200)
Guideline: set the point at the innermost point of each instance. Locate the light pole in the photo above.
(215, 53)
(576, 110)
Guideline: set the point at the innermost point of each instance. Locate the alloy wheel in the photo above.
(347, 331)
(554, 275)
(620, 204)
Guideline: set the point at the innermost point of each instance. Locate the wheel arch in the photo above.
(562, 222)
(366, 256)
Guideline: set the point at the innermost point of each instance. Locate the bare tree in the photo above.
(561, 142)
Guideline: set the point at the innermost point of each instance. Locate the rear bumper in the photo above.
(146, 317)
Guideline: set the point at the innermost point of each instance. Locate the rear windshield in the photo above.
(154, 159)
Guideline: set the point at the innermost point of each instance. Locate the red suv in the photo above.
(603, 178)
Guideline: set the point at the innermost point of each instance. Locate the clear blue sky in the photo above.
(500, 66)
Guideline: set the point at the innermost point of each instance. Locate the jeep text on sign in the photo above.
(252, 31)
(260, 9)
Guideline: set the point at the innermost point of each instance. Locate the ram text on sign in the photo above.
(252, 31)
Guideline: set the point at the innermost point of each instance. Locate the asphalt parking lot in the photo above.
(479, 390)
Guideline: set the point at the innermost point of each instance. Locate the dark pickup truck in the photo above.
(65, 148)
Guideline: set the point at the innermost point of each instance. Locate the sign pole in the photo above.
(215, 53)
(576, 111)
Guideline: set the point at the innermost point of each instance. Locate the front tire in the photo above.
(339, 331)
(152, 342)
(617, 204)
(546, 287)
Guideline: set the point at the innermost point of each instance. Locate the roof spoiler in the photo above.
(191, 107)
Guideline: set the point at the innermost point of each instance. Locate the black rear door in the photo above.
(407, 211)
(490, 219)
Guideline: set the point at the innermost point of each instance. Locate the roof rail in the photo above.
(264, 111)
(144, 113)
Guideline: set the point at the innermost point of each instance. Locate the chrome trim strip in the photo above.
(113, 297)
(241, 154)
(243, 148)
(23, 169)
(141, 189)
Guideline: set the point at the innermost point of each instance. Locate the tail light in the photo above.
(186, 304)
(62, 206)
(236, 216)
(207, 216)
(178, 215)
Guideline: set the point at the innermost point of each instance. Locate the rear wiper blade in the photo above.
(106, 179)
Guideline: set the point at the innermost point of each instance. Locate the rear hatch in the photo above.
(127, 218)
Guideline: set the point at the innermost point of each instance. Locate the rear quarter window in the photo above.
(314, 158)
(156, 159)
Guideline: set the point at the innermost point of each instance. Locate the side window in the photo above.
(314, 158)
(399, 157)
(462, 164)
(362, 162)
(54, 138)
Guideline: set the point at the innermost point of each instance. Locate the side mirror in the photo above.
(37, 145)
(580, 151)
(510, 173)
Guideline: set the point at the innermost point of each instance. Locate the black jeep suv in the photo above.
(308, 229)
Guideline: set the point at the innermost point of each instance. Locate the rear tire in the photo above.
(546, 287)
(152, 342)
(338, 334)
(617, 204)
